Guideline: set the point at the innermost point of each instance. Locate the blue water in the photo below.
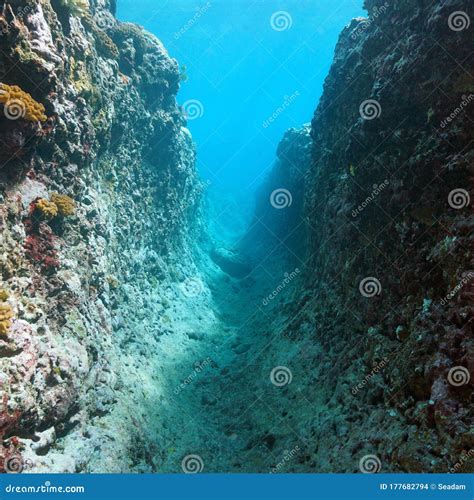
(241, 70)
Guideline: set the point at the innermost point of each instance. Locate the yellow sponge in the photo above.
(65, 205)
(6, 316)
(47, 208)
(20, 104)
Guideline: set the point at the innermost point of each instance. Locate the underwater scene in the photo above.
(236, 236)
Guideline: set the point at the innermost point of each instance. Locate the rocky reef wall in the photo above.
(277, 222)
(88, 116)
(358, 358)
(389, 278)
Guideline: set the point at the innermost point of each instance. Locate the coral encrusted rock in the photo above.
(62, 379)
(19, 104)
(387, 301)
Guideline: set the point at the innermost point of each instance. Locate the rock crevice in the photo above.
(336, 330)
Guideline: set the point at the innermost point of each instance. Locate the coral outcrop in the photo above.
(46, 208)
(104, 41)
(6, 316)
(384, 319)
(117, 145)
(19, 104)
(64, 203)
(78, 8)
(279, 212)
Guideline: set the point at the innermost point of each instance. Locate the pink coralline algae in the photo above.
(10, 458)
(40, 246)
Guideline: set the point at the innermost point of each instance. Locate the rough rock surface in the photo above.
(128, 351)
(277, 223)
(231, 262)
(89, 291)
(381, 205)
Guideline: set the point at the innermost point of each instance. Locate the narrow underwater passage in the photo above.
(194, 277)
(225, 403)
(228, 392)
(250, 70)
